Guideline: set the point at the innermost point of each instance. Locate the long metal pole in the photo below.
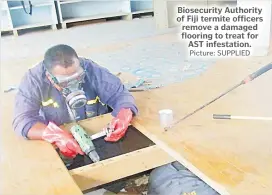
(249, 78)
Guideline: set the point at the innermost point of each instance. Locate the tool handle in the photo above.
(135, 89)
(222, 116)
(258, 73)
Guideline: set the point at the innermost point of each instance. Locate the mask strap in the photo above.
(53, 80)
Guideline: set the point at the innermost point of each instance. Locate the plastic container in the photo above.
(166, 118)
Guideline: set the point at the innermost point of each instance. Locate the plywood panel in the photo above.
(93, 125)
(232, 156)
(30, 167)
(112, 169)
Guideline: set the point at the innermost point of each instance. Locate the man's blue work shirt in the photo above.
(38, 100)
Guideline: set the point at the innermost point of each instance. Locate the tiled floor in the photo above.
(130, 46)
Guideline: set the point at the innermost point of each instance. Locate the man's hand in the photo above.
(119, 125)
(63, 140)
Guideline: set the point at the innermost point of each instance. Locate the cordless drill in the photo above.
(85, 142)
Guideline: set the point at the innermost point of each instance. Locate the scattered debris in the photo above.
(142, 180)
(118, 74)
(137, 185)
(138, 83)
(12, 88)
(145, 88)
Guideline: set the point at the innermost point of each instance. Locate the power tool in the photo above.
(85, 142)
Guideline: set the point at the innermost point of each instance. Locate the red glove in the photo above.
(63, 140)
(119, 125)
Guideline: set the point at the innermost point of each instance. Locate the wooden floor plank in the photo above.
(122, 166)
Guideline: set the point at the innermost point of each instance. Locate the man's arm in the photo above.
(30, 125)
(26, 121)
(112, 92)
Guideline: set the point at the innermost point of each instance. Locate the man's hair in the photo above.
(62, 55)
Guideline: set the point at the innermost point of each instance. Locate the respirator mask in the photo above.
(71, 88)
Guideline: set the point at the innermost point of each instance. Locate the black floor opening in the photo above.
(133, 140)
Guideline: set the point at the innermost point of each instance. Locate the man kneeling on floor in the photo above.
(64, 88)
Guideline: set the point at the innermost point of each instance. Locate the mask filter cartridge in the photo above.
(76, 99)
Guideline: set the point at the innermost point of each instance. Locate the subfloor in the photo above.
(128, 46)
